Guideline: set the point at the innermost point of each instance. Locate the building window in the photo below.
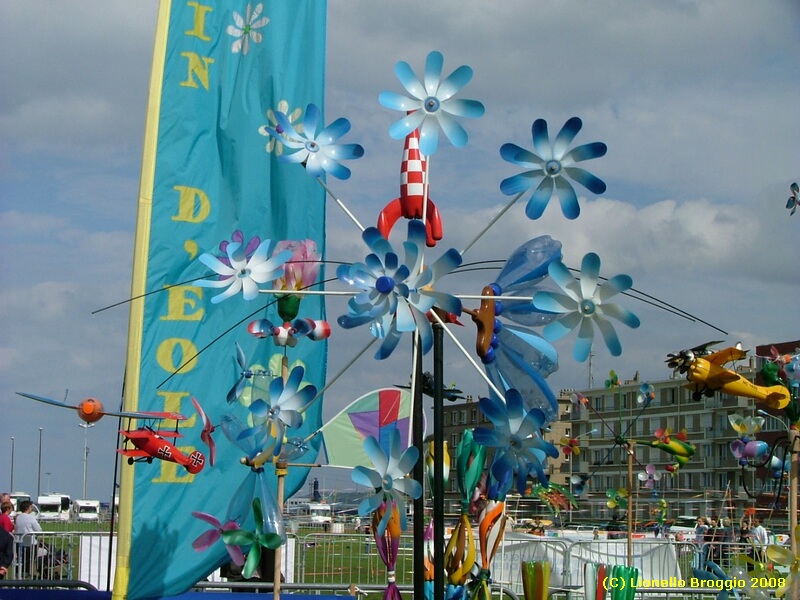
(474, 416)
(453, 418)
(463, 415)
(600, 404)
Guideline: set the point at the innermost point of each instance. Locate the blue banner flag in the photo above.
(211, 179)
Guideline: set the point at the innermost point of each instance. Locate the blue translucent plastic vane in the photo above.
(517, 438)
(552, 166)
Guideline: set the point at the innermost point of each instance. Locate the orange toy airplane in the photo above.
(707, 375)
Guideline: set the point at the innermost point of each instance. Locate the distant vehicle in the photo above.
(86, 510)
(684, 524)
(311, 512)
(54, 507)
(17, 497)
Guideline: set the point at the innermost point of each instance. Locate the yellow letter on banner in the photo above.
(181, 300)
(200, 12)
(198, 66)
(166, 355)
(172, 403)
(193, 204)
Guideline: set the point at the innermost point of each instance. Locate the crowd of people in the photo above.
(716, 536)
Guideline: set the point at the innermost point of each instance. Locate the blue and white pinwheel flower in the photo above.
(554, 165)
(284, 409)
(315, 149)
(431, 104)
(388, 479)
(396, 296)
(517, 437)
(242, 269)
(585, 304)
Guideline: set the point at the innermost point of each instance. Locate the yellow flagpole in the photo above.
(138, 285)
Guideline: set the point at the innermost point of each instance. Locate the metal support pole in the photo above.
(438, 452)
(11, 483)
(630, 496)
(39, 477)
(419, 475)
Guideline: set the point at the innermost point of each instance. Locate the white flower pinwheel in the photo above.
(516, 436)
(431, 104)
(396, 296)
(284, 409)
(242, 271)
(585, 304)
(313, 147)
(388, 479)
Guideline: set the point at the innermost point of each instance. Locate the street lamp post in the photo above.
(85, 427)
(11, 483)
(39, 476)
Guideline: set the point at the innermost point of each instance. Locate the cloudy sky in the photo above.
(697, 102)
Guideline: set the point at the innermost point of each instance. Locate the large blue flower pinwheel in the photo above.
(315, 149)
(517, 437)
(396, 296)
(554, 164)
(285, 408)
(242, 269)
(388, 478)
(585, 304)
(431, 103)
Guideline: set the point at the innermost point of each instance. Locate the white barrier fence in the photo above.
(352, 559)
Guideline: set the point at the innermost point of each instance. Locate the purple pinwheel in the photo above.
(554, 165)
(285, 408)
(517, 437)
(585, 304)
(794, 200)
(388, 479)
(649, 476)
(206, 539)
(397, 296)
(315, 149)
(242, 269)
(431, 103)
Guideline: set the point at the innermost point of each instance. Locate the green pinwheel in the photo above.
(256, 540)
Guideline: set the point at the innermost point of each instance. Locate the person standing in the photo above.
(760, 538)
(700, 530)
(27, 527)
(5, 516)
(6, 552)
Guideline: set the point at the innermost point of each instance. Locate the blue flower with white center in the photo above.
(554, 164)
(388, 479)
(397, 296)
(517, 438)
(315, 149)
(284, 409)
(584, 304)
(431, 104)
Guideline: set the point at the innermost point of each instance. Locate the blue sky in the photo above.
(697, 102)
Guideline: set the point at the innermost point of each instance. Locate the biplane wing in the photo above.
(133, 452)
(727, 355)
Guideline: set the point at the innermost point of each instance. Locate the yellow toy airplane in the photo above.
(707, 375)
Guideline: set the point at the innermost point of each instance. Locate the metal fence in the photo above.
(351, 559)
